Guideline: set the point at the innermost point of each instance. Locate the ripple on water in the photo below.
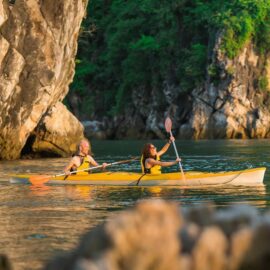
(37, 222)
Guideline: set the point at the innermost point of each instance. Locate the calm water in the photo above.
(38, 222)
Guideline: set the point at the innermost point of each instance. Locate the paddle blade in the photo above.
(127, 161)
(39, 179)
(168, 124)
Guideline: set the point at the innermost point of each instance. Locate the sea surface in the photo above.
(37, 223)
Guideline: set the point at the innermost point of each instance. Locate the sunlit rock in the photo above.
(240, 242)
(159, 235)
(210, 250)
(136, 239)
(38, 44)
(233, 107)
(258, 254)
(59, 132)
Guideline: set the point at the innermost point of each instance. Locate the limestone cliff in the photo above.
(38, 44)
(236, 106)
(232, 103)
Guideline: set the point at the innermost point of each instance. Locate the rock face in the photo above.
(235, 107)
(38, 44)
(159, 235)
(233, 102)
(58, 132)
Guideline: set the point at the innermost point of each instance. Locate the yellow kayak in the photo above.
(192, 178)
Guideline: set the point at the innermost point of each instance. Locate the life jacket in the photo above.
(85, 164)
(153, 170)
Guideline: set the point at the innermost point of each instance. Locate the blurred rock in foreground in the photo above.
(159, 235)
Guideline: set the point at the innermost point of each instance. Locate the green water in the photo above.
(39, 222)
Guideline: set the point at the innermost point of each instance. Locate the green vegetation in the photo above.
(140, 44)
(263, 83)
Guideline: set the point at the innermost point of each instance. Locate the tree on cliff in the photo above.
(143, 44)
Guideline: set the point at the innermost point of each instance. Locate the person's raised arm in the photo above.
(165, 147)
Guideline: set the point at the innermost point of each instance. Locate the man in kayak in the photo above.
(150, 161)
(82, 160)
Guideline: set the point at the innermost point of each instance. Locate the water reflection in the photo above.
(85, 193)
(39, 221)
(116, 197)
(46, 221)
(40, 190)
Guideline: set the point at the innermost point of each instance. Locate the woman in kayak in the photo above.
(150, 161)
(82, 160)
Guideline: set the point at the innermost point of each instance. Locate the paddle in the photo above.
(42, 179)
(168, 127)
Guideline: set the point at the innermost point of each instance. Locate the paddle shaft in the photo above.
(176, 152)
(97, 167)
(43, 179)
(84, 170)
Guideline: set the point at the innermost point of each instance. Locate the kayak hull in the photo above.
(244, 177)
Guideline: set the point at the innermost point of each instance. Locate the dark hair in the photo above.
(146, 152)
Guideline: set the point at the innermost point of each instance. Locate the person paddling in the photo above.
(150, 161)
(82, 160)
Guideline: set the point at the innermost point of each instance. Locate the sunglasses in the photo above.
(152, 147)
